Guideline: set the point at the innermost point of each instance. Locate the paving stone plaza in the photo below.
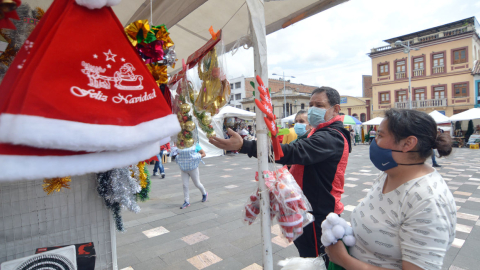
(211, 235)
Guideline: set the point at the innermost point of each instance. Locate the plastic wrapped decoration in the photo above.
(287, 203)
(214, 91)
(182, 108)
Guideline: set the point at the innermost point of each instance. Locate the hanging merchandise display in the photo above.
(101, 96)
(287, 203)
(265, 105)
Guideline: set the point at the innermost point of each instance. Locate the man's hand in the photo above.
(234, 143)
(337, 253)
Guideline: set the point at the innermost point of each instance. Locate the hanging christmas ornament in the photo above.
(189, 142)
(190, 125)
(207, 119)
(56, 184)
(185, 108)
(180, 136)
(211, 134)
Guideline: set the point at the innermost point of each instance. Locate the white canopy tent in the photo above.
(289, 118)
(217, 123)
(373, 122)
(471, 114)
(439, 118)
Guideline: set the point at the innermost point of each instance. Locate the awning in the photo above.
(373, 122)
(439, 118)
(471, 114)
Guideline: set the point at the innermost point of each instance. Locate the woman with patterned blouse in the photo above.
(408, 218)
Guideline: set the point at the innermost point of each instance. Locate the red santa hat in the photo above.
(82, 87)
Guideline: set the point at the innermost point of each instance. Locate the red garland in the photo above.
(266, 107)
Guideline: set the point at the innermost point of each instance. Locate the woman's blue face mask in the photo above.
(382, 158)
(300, 129)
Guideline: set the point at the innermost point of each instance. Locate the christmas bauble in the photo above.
(180, 136)
(182, 125)
(180, 144)
(189, 125)
(211, 134)
(180, 117)
(206, 120)
(189, 142)
(185, 107)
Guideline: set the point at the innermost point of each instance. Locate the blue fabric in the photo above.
(381, 157)
(356, 121)
(198, 147)
(188, 158)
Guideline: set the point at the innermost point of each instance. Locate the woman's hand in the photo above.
(234, 143)
(337, 253)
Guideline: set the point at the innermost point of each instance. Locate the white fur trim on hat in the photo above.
(19, 167)
(76, 136)
(93, 4)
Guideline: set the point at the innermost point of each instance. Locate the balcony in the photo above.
(427, 103)
(418, 72)
(438, 69)
(427, 38)
(400, 75)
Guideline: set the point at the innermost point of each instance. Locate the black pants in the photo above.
(306, 242)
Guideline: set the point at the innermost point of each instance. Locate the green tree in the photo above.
(469, 130)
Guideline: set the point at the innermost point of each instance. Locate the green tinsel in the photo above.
(143, 195)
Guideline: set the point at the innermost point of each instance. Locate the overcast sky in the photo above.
(330, 48)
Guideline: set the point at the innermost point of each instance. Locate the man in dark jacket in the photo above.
(320, 163)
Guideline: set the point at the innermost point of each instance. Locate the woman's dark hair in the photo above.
(300, 113)
(404, 123)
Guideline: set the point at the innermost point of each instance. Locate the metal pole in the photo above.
(409, 77)
(284, 98)
(256, 14)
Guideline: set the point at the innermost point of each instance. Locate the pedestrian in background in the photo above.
(159, 164)
(291, 136)
(352, 136)
(302, 127)
(188, 160)
(434, 161)
(372, 134)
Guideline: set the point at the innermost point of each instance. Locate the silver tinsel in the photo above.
(124, 189)
(135, 171)
(170, 56)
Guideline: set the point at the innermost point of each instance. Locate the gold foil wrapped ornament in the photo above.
(180, 136)
(180, 144)
(185, 108)
(180, 117)
(133, 29)
(211, 96)
(206, 120)
(189, 142)
(159, 73)
(143, 175)
(211, 134)
(189, 125)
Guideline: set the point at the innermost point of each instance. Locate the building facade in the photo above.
(441, 70)
(476, 81)
(237, 86)
(358, 107)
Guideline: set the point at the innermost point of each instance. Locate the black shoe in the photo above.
(436, 165)
(204, 197)
(163, 175)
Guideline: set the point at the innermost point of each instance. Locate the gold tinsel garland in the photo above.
(56, 184)
(143, 175)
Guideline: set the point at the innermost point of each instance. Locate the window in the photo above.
(363, 117)
(401, 66)
(439, 92)
(418, 63)
(383, 69)
(459, 56)
(238, 106)
(438, 60)
(401, 96)
(478, 90)
(419, 94)
(384, 97)
(355, 115)
(238, 85)
(231, 97)
(248, 109)
(460, 90)
(231, 86)
(302, 106)
(238, 96)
